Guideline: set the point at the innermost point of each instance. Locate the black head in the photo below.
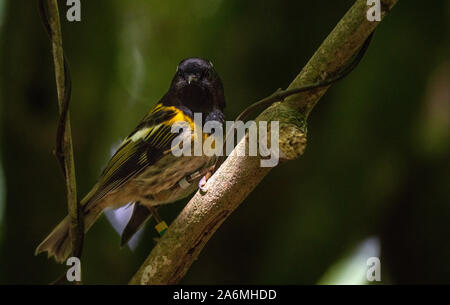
(197, 85)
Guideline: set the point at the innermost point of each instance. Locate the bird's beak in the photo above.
(192, 78)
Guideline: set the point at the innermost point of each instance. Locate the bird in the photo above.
(143, 170)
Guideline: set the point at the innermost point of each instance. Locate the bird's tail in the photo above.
(140, 215)
(57, 244)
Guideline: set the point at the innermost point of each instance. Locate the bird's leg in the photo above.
(199, 174)
(155, 213)
(161, 225)
(206, 173)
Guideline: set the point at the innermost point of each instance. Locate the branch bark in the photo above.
(180, 246)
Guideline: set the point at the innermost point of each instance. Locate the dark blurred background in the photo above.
(374, 180)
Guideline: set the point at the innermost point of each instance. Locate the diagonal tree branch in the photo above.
(171, 258)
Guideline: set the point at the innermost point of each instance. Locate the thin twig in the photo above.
(64, 149)
(280, 95)
(180, 246)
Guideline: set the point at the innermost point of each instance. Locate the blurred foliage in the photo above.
(352, 269)
(377, 161)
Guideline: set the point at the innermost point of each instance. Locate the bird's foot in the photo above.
(202, 182)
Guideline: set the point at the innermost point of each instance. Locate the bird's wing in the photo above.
(141, 149)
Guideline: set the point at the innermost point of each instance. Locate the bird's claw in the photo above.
(202, 184)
